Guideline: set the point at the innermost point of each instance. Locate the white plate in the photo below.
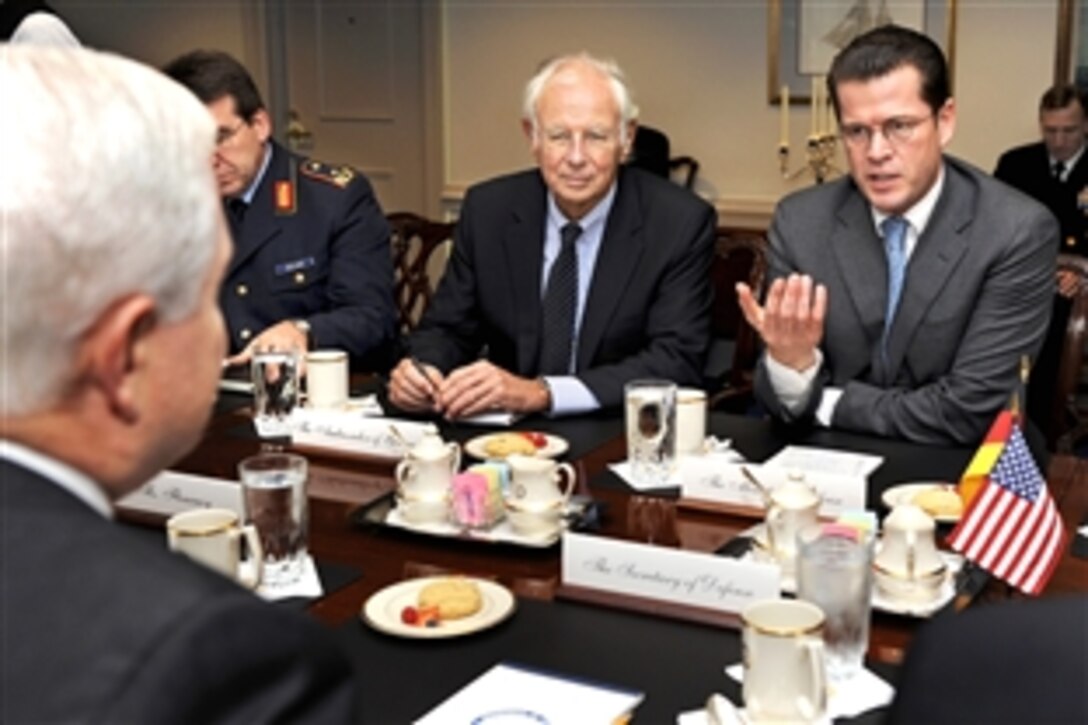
(502, 532)
(555, 446)
(882, 602)
(905, 493)
(382, 610)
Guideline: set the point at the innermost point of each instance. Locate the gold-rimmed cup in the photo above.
(784, 676)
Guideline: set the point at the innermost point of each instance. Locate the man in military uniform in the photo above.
(312, 264)
(1055, 172)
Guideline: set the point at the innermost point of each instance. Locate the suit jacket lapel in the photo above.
(621, 249)
(261, 222)
(859, 254)
(932, 263)
(524, 248)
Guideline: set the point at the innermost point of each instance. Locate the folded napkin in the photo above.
(719, 451)
(864, 691)
(307, 585)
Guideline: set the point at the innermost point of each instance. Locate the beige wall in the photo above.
(699, 72)
(699, 68)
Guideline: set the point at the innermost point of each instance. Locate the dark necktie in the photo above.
(560, 303)
(895, 237)
(236, 214)
(1058, 169)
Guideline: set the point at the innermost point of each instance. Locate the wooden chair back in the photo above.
(416, 267)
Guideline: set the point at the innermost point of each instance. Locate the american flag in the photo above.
(1012, 528)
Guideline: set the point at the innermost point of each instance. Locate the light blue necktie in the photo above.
(895, 237)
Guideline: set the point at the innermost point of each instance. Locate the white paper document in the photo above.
(497, 419)
(825, 460)
(512, 693)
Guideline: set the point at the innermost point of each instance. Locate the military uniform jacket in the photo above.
(1028, 169)
(313, 245)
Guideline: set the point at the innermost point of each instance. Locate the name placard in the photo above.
(725, 484)
(688, 578)
(354, 434)
(170, 492)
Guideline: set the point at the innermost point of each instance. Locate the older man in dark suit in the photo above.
(570, 280)
(904, 296)
(112, 345)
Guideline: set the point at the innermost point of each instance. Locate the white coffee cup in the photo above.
(539, 483)
(535, 522)
(690, 421)
(327, 379)
(784, 676)
(794, 506)
(426, 470)
(213, 537)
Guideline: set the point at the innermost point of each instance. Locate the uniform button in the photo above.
(245, 334)
(299, 277)
(1070, 241)
(242, 290)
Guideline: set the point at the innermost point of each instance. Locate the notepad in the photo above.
(517, 692)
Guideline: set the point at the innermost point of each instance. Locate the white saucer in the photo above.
(554, 446)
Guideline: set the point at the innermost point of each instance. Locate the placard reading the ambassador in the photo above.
(671, 575)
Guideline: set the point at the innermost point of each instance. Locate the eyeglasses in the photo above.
(562, 139)
(224, 135)
(895, 131)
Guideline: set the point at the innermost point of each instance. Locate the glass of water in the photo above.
(274, 492)
(275, 391)
(651, 430)
(835, 572)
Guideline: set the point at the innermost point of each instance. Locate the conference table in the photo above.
(676, 663)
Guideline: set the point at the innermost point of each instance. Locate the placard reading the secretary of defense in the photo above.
(684, 577)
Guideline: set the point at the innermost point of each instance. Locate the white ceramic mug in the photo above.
(690, 421)
(327, 379)
(213, 537)
(784, 677)
(539, 483)
(426, 470)
(794, 506)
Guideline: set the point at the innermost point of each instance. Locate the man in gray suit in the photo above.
(904, 296)
(112, 342)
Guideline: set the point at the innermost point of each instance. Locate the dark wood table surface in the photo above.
(677, 663)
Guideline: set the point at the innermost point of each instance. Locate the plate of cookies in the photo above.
(497, 446)
(438, 607)
(940, 500)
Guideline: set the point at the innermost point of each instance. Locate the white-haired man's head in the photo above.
(580, 119)
(105, 194)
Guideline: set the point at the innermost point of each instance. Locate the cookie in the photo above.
(455, 598)
(939, 502)
(502, 445)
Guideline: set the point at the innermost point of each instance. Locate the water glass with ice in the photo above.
(274, 491)
(651, 430)
(275, 391)
(835, 572)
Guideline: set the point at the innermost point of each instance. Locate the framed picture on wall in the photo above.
(1071, 59)
(804, 35)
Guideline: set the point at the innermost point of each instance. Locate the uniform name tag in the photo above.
(288, 267)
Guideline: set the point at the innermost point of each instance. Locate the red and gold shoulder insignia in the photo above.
(339, 176)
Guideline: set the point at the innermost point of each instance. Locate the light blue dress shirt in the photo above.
(569, 394)
(251, 191)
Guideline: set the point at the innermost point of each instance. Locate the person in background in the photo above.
(111, 350)
(1055, 172)
(312, 263)
(569, 280)
(902, 297)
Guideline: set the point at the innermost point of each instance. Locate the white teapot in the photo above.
(792, 506)
(908, 565)
(427, 468)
